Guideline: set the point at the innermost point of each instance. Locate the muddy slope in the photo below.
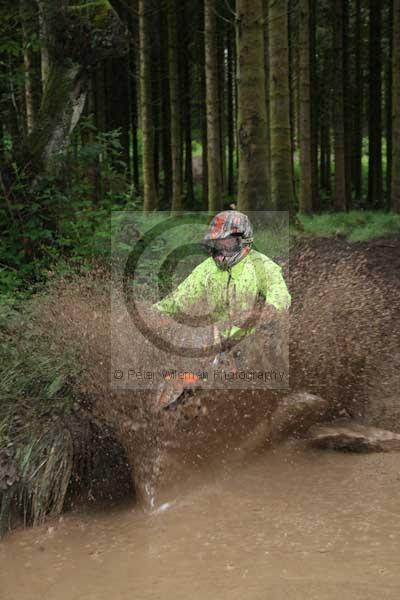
(345, 325)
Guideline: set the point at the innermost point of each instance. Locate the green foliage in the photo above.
(29, 366)
(67, 219)
(95, 10)
(197, 148)
(35, 400)
(354, 225)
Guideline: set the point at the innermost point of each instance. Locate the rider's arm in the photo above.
(190, 291)
(273, 287)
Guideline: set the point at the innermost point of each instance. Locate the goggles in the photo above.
(227, 246)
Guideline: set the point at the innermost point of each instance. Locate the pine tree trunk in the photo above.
(155, 97)
(230, 111)
(325, 163)
(189, 155)
(215, 199)
(27, 20)
(165, 108)
(222, 96)
(358, 107)
(175, 107)
(252, 117)
(236, 107)
(133, 96)
(326, 84)
(388, 103)
(315, 104)
(348, 101)
(146, 110)
(203, 110)
(340, 199)
(15, 118)
(44, 49)
(324, 132)
(375, 176)
(308, 184)
(60, 111)
(282, 196)
(329, 154)
(187, 107)
(267, 106)
(294, 85)
(395, 186)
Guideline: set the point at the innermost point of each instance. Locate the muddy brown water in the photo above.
(291, 523)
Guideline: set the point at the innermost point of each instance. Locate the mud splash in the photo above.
(344, 344)
(295, 523)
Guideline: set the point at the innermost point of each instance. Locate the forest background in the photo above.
(192, 105)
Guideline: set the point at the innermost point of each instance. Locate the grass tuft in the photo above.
(36, 450)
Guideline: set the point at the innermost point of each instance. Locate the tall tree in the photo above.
(282, 194)
(74, 51)
(230, 109)
(175, 106)
(165, 108)
(375, 176)
(187, 91)
(44, 49)
(340, 200)
(252, 114)
(308, 180)
(395, 187)
(267, 104)
(315, 103)
(358, 105)
(212, 103)
(388, 100)
(347, 99)
(28, 31)
(133, 96)
(155, 96)
(202, 106)
(150, 200)
(294, 83)
(222, 94)
(326, 98)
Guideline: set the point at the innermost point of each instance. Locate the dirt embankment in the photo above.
(345, 328)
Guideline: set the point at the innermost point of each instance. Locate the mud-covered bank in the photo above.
(343, 348)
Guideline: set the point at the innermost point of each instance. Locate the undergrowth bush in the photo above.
(36, 398)
(67, 219)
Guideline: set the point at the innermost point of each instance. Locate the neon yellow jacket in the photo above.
(228, 292)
